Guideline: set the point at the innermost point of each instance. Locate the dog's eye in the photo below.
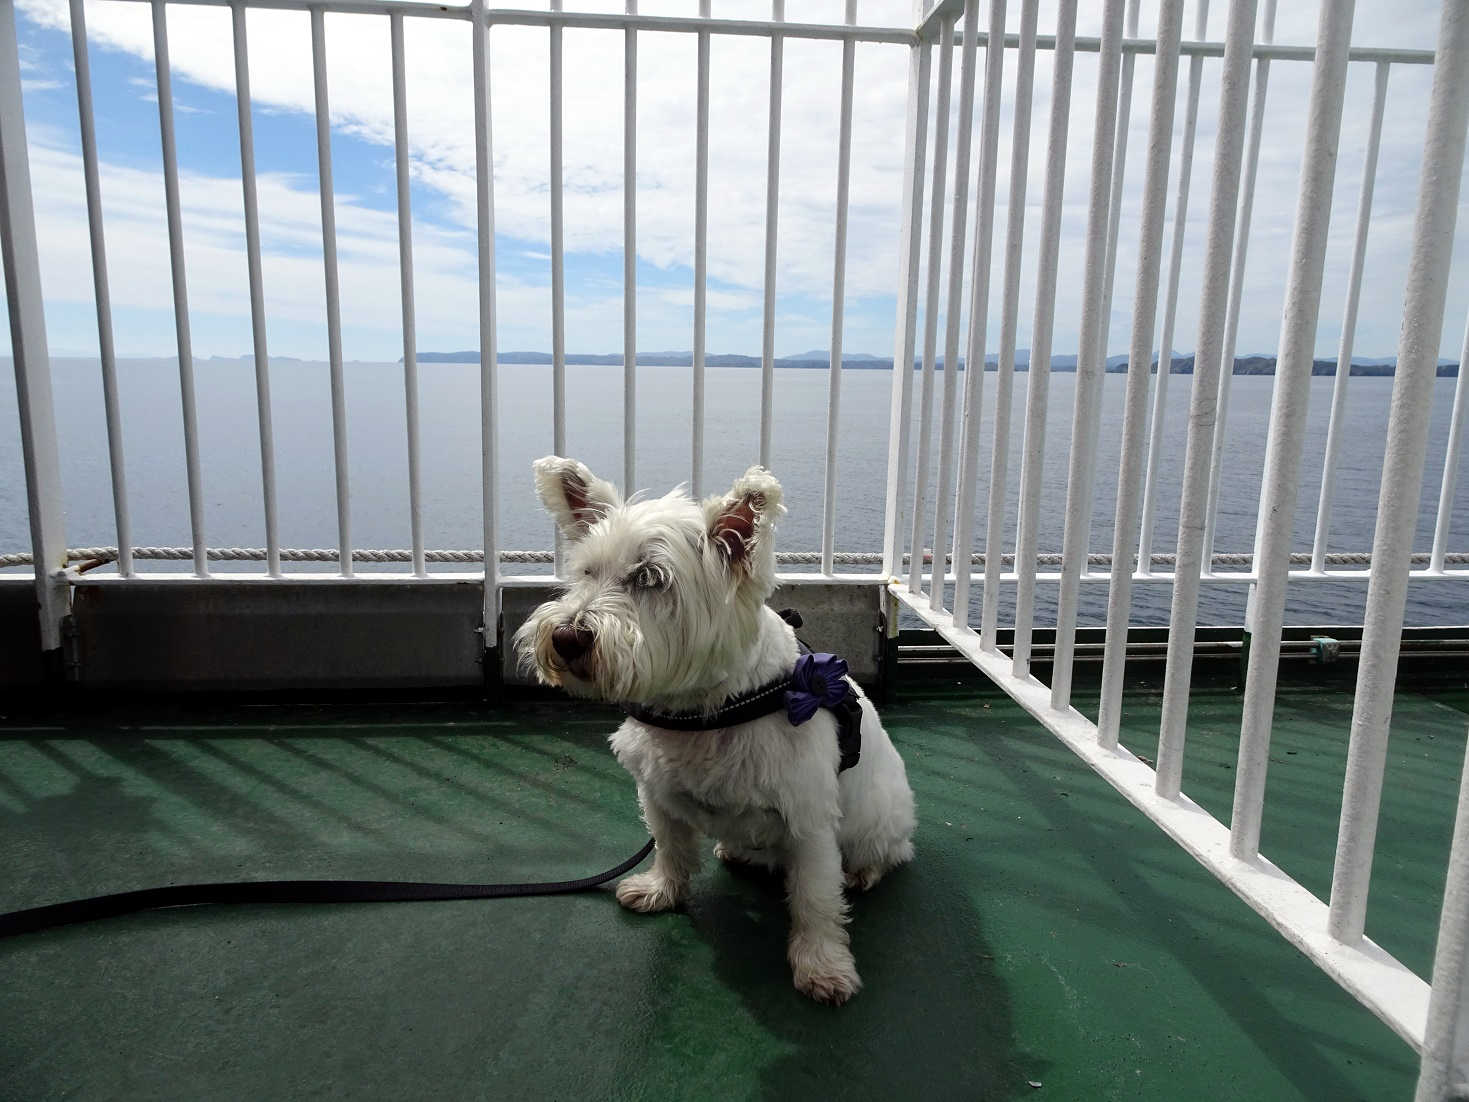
(646, 577)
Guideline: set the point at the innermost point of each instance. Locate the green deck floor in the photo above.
(1048, 942)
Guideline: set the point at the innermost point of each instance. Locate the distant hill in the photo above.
(1180, 363)
(1265, 365)
(822, 355)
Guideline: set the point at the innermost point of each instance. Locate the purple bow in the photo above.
(819, 681)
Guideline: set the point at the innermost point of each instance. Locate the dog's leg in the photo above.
(675, 860)
(820, 955)
(761, 858)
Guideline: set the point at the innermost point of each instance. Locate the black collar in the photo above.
(763, 701)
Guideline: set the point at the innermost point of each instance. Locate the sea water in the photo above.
(449, 415)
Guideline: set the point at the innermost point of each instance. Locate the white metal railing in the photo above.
(935, 222)
(1331, 933)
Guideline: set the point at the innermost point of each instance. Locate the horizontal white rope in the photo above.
(90, 557)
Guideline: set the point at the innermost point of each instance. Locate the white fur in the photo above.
(674, 593)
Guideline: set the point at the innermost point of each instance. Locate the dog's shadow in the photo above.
(933, 1015)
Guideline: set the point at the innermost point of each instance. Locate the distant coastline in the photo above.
(1181, 364)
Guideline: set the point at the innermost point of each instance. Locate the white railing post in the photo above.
(558, 264)
(1037, 396)
(1170, 308)
(1091, 361)
(931, 311)
(257, 291)
(1237, 279)
(405, 274)
(838, 298)
(1349, 325)
(630, 255)
(1119, 169)
(979, 297)
(909, 242)
(1402, 472)
(28, 349)
(701, 252)
(1234, 87)
(772, 219)
(183, 339)
(994, 535)
(1139, 361)
(105, 350)
(1444, 1068)
(1451, 461)
(953, 309)
(1286, 436)
(489, 370)
(333, 289)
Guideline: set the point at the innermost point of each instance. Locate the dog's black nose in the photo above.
(572, 643)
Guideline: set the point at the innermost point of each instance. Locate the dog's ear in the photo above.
(741, 524)
(575, 497)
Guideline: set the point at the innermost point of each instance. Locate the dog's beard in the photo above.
(611, 670)
(671, 648)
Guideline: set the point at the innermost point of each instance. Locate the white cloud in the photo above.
(446, 298)
(441, 134)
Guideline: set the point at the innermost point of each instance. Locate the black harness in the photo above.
(772, 697)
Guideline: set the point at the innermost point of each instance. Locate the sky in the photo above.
(441, 143)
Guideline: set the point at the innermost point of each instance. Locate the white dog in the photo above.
(664, 612)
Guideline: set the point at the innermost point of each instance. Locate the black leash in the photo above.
(763, 701)
(289, 891)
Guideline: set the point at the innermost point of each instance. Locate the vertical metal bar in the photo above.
(333, 291)
(931, 311)
(994, 536)
(772, 212)
(105, 349)
(405, 268)
(1348, 326)
(1119, 168)
(1237, 279)
(1091, 360)
(838, 299)
(1286, 436)
(954, 307)
(979, 299)
(909, 242)
(558, 269)
(1038, 389)
(701, 250)
(1139, 364)
(1402, 471)
(1451, 462)
(180, 286)
(1170, 310)
(1233, 90)
(257, 293)
(28, 349)
(489, 368)
(630, 254)
(1445, 1052)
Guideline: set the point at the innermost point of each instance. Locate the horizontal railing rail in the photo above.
(88, 558)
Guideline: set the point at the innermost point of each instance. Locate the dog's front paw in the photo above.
(823, 969)
(648, 893)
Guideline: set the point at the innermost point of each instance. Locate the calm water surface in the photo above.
(449, 413)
